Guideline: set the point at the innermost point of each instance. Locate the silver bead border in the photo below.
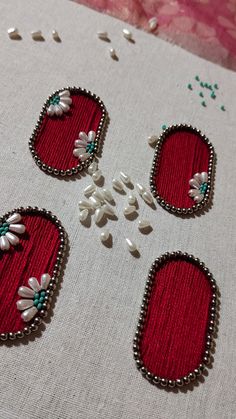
(99, 134)
(211, 166)
(206, 359)
(33, 325)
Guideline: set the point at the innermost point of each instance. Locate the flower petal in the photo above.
(4, 243)
(33, 283)
(24, 304)
(77, 152)
(91, 136)
(28, 314)
(198, 198)
(83, 136)
(198, 178)
(51, 110)
(66, 100)
(25, 292)
(17, 228)
(45, 279)
(64, 106)
(194, 183)
(14, 218)
(58, 110)
(64, 93)
(84, 156)
(204, 177)
(193, 192)
(14, 240)
(80, 143)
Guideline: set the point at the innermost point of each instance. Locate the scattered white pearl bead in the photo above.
(140, 188)
(94, 202)
(127, 34)
(131, 245)
(152, 23)
(92, 167)
(99, 213)
(117, 185)
(152, 140)
(131, 198)
(13, 33)
(84, 205)
(125, 178)
(104, 236)
(112, 52)
(55, 35)
(102, 35)
(142, 224)
(108, 210)
(147, 197)
(107, 195)
(98, 195)
(97, 175)
(36, 35)
(130, 209)
(83, 215)
(89, 190)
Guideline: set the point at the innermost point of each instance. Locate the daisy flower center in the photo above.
(4, 228)
(39, 299)
(55, 100)
(203, 188)
(90, 147)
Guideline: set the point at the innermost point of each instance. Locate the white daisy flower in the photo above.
(199, 185)
(7, 228)
(84, 145)
(59, 103)
(34, 297)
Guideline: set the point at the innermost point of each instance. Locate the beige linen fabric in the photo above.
(81, 366)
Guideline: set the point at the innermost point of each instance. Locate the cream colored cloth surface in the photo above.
(81, 366)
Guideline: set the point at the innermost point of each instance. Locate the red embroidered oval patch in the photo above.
(182, 171)
(32, 245)
(176, 322)
(69, 131)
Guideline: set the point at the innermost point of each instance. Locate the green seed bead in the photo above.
(203, 103)
(43, 293)
(202, 84)
(5, 225)
(41, 300)
(197, 78)
(190, 86)
(36, 296)
(39, 306)
(216, 86)
(201, 94)
(163, 126)
(36, 302)
(222, 108)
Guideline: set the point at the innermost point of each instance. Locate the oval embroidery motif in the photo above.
(69, 131)
(30, 264)
(176, 323)
(182, 171)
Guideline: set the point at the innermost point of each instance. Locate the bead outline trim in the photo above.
(206, 360)
(211, 169)
(33, 325)
(98, 139)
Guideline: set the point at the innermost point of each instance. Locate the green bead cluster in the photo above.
(203, 188)
(55, 100)
(4, 228)
(39, 299)
(211, 88)
(90, 147)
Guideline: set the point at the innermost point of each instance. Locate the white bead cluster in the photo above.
(99, 199)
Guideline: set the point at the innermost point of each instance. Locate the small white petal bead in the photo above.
(28, 314)
(24, 304)
(99, 213)
(152, 139)
(84, 205)
(197, 177)
(204, 177)
(58, 110)
(140, 188)
(78, 151)
(131, 199)
(33, 283)
(66, 100)
(108, 210)
(83, 215)
(94, 202)
(117, 185)
(84, 156)
(93, 167)
(194, 183)
(130, 209)
(127, 34)
(45, 280)
(4, 243)
(98, 195)
(97, 175)
(17, 228)
(91, 136)
(14, 240)
(64, 93)
(124, 177)
(193, 192)
(102, 34)
(104, 236)
(83, 136)
(142, 224)
(131, 245)
(198, 198)
(50, 110)
(152, 23)
(25, 292)
(147, 197)
(14, 218)
(107, 195)
(64, 106)
(89, 190)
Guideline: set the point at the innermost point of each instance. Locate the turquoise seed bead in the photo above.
(163, 126)
(41, 300)
(5, 225)
(36, 296)
(201, 94)
(216, 86)
(36, 302)
(190, 86)
(203, 103)
(43, 293)
(222, 108)
(197, 78)
(39, 306)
